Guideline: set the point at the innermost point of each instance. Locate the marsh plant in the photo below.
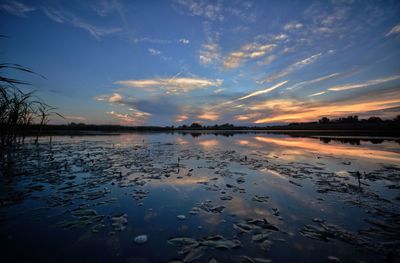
(19, 109)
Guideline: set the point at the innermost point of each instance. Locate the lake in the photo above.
(224, 197)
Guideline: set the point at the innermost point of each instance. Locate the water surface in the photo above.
(242, 198)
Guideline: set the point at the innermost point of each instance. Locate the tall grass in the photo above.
(18, 108)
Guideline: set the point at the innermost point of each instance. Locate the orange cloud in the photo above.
(295, 111)
(210, 116)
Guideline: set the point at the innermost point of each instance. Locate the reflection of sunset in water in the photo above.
(184, 181)
(209, 143)
(181, 141)
(337, 149)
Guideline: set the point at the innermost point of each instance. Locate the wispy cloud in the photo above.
(293, 67)
(394, 30)
(153, 51)
(259, 92)
(151, 40)
(313, 81)
(208, 10)
(135, 117)
(292, 26)
(209, 53)
(16, 8)
(317, 94)
(268, 60)
(113, 98)
(246, 52)
(62, 16)
(74, 118)
(364, 84)
(173, 84)
(184, 41)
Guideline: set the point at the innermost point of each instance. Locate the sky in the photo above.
(224, 61)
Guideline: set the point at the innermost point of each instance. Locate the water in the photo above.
(267, 197)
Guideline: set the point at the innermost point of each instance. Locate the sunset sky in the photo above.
(177, 62)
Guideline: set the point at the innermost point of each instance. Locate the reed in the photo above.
(19, 108)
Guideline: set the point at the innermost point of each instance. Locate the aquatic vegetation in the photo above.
(213, 205)
(141, 239)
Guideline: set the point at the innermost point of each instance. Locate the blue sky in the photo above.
(177, 62)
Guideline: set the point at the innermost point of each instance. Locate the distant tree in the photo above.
(195, 125)
(323, 120)
(227, 126)
(374, 119)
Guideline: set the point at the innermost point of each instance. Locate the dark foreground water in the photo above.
(162, 197)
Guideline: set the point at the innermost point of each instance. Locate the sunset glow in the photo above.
(178, 62)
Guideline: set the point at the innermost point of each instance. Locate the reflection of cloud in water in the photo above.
(342, 173)
(274, 173)
(245, 208)
(181, 141)
(209, 143)
(248, 143)
(340, 150)
(184, 181)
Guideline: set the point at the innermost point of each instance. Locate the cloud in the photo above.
(61, 16)
(259, 92)
(181, 118)
(313, 81)
(151, 40)
(205, 9)
(268, 60)
(134, 118)
(105, 7)
(154, 52)
(184, 41)
(209, 53)
(293, 110)
(16, 8)
(328, 18)
(364, 84)
(172, 85)
(246, 117)
(293, 67)
(248, 51)
(74, 118)
(113, 98)
(292, 26)
(280, 37)
(310, 112)
(317, 94)
(394, 30)
(209, 116)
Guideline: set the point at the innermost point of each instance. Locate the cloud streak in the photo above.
(293, 67)
(16, 8)
(172, 85)
(259, 92)
(394, 30)
(364, 84)
(62, 16)
(312, 81)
